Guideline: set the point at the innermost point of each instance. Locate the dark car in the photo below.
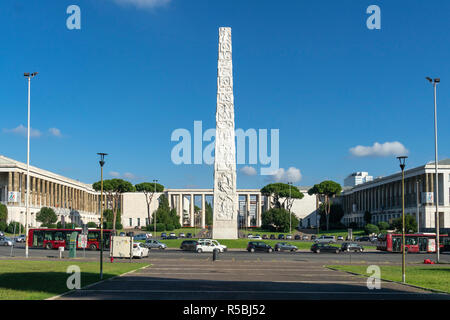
(258, 246)
(313, 237)
(188, 235)
(272, 237)
(297, 237)
(163, 235)
(189, 245)
(349, 246)
(284, 246)
(322, 247)
(171, 237)
(281, 237)
(265, 236)
(363, 239)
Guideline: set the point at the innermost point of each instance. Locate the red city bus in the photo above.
(55, 238)
(419, 242)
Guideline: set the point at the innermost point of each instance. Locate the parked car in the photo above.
(5, 241)
(188, 235)
(374, 239)
(350, 246)
(139, 251)
(272, 237)
(250, 236)
(326, 239)
(265, 236)
(181, 235)
(364, 238)
(21, 238)
(137, 228)
(322, 247)
(289, 237)
(189, 245)
(139, 237)
(281, 237)
(209, 245)
(258, 246)
(283, 246)
(297, 237)
(154, 244)
(2, 234)
(340, 238)
(304, 237)
(257, 237)
(163, 235)
(172, 236)
(313, 237)
(148, 235)
(122, 234)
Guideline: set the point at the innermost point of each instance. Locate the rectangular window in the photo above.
(146, 221)
(131, 222)
(138, 222)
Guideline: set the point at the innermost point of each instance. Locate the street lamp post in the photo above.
(102, 162)
(290, 216)
(436, 200)
(402, 160)
(28, 76)
(154, 212)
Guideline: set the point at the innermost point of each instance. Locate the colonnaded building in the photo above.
(77, 202)
(382, 197)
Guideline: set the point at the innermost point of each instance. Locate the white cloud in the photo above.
(22, 130)
(290, 175)
(380, 150)
(55, 132)
(145, 4)
(249, 171)
(114, 174)
(128, 175)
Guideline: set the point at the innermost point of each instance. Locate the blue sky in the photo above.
(139, 69)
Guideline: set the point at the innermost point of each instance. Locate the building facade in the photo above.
(382, 197)
(71, 200)
(357, 178)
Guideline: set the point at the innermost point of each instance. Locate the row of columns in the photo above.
(176, 200)
(389, 196)
(51, 194)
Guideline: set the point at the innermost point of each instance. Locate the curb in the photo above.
(95, 283)
(392, 281)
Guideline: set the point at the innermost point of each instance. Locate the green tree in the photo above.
(113, 189)
(410, 224)
(46, 216)
(277, 219)
(14, 227)
(371, 228)
(91, 224)
(3, 213)
(280, 191)
(208, 214)
(335, 216)
(325, 191)
(164, 215)
(149, 189)
(383, 225)
(108, 219)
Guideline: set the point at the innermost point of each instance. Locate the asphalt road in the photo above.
(377, 257)
(191, 279)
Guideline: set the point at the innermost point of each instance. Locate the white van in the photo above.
(209, 245)
(326, 239)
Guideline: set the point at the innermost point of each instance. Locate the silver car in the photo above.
(326, 239)
(154, 244)
(5, 241)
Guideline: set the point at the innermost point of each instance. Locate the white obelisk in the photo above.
(225, 195)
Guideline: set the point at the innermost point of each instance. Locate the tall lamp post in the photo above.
(102, 162)
(154, 212)
(434, 82)
(290, 216)
(418, 181)
(28, 76)
(402, 160)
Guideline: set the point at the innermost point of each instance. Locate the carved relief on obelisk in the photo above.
(225, 196)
